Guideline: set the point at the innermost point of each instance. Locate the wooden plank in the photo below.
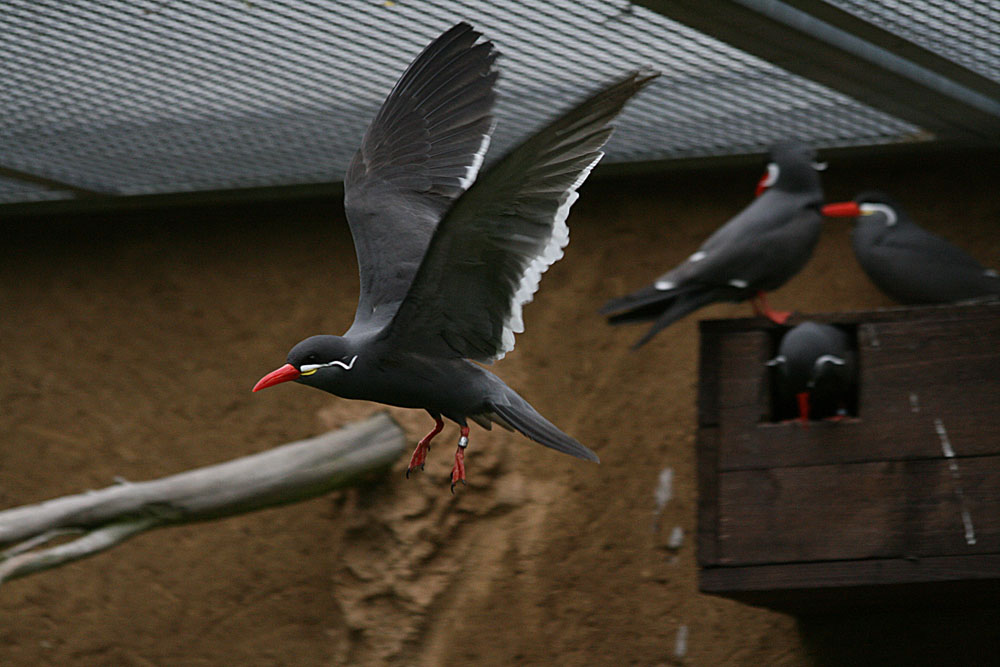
(728, 366)
(743, 354)
(919, 337)
(757, 446)
(740, 380)
(812, 513)
(745, 391)
(869, 510)
(955, 506)
(970, 391)
(899, 505)
(723, 327)
(936, 370)
(812, 587)
(915, 377)
(935, 353)
(709, 361)
(764, 446)
(706, 455)
(864, 572)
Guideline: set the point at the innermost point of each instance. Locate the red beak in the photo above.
(803, 397)
(283, 374)
(846, 209)
(761, 184)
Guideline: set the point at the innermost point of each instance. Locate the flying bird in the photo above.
(910, 264)
(755, 252)
(448, 256)
(816, 371)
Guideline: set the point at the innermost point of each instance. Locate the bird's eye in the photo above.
(312, 358)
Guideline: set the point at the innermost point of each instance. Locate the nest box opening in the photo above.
(827, 377)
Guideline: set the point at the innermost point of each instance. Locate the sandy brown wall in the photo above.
(129, 345)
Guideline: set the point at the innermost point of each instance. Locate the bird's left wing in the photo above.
(422, 150)
(489, 251)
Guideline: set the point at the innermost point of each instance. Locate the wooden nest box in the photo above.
(898, 504)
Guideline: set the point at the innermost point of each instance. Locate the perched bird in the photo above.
(907, 262)
(815, 370)
(757, 251)
(447, 259)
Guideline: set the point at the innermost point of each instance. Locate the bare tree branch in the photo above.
(109, 516)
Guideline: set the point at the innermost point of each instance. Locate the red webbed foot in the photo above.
(778, 316)
(458, 470)
(424, 446)
(762, 309)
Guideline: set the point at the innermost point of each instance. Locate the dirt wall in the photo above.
(129, 346)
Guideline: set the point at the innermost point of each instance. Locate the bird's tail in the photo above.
(519, 414)
(662, 307)
(640, 306)
(681, 305)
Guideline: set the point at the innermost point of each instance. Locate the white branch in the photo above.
(107, 517)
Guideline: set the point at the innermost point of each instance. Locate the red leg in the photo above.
(761, 309)
(424, 446)
(458, 470)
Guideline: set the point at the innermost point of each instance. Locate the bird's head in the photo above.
(318, 360)
(792, 166)
(866, 208)
(808, 352)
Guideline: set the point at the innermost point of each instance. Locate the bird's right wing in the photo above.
(745, 249)
(934, 256)
(420, 153)
(930, 251)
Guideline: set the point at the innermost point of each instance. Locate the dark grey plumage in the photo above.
(817, 360)
(908, 263)
(757, 251)
(420, 153)
(448, 259)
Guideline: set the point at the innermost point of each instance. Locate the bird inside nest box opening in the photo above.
(813, 372)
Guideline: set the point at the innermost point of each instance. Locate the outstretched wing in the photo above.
(489, 251)
(420, 153)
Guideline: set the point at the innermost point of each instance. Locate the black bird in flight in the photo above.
(447, 255)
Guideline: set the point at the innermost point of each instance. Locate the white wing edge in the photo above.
(551, 253)
(477, 160)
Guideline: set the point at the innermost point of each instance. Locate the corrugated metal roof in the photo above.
(129, 98)
(966, 32)
(13, 190)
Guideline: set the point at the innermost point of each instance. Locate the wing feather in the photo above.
(421, 151)
(487, 255)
